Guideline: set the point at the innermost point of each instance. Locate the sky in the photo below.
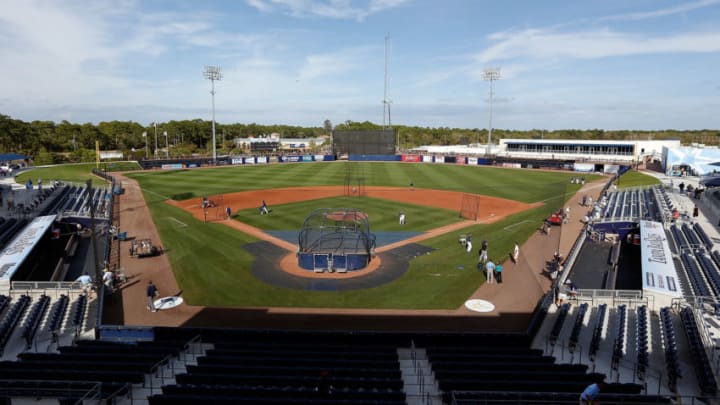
(607, 64)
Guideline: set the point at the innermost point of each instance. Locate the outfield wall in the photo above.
(409, 158)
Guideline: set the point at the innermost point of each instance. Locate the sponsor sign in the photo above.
(471, 160)
(111, 154)
(427, 159)
(261, 159)
(307, 158)
(659, 275)
(411, 158)
(584, 167)
(172, 166)
(236, 161)
(15, 253)
(249, 160)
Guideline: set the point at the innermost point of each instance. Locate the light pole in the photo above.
(213, 73)
(156, 153)
(167, 150)
(146, 144)
(491, 74)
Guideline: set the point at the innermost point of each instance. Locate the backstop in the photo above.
(335, 239)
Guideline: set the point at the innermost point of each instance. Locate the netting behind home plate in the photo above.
(335, 239)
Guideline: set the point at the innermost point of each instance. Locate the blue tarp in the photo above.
(4, 157)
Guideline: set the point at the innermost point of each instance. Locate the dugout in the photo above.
(335, 239)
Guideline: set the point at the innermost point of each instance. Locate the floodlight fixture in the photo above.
(213, 73)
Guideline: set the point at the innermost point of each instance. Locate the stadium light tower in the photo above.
(213, 73)
(491, 74)
(385, 101)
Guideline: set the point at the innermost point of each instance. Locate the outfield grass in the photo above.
(514, 184)
(633, 178)
(213, 269)
(79, 173)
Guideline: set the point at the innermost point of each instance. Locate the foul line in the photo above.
(183, 224)
(516, 224)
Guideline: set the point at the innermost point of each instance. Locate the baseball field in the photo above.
(217, 264)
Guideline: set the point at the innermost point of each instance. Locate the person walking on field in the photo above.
(228, 212)
(402, 218)
(516, 253)
(490, 271)
(151, 291)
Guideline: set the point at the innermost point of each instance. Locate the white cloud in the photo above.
(328, 64)
(542, 44)
(336, 9)
(642, 15)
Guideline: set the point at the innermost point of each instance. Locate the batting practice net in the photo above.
(364, 142)
(335, 239)
(470, 206)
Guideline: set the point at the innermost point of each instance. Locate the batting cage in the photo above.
(335, 239)
(364, 142)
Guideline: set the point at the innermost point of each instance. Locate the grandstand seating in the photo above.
(577, 326)
(32, 321)
(699, 285)
(642, 344)
(57, 314)
(77, 315)
(557, 326)
(597, 330)
(11, 319)
(670, 347)
(703, 369)
(621, 335)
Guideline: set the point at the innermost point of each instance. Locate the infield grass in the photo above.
(213, 269)
(382, 214)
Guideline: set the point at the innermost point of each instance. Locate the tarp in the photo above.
(4, 157)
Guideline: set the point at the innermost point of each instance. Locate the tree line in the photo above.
(49, 142)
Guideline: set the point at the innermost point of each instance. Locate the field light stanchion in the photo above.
(491, 74)
(146, 144)
(167, 149)
(213, 73)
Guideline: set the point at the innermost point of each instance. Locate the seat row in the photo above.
(577, 326)
(11, 319)
(32, 321)
(703, 369)
(643, 359)
(619, 346)
(597, 331)
(559, 321)
(670, 346)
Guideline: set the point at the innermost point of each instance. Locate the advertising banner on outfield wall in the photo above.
(290, 158)
(172, 166)
(307, 158)
(249, 160)
(460, 160)
(329, 158)
(411, 158)
(427, 159)
(273, 159)
(261, 159)
(584, 167)
(318, 158)
(236, 161)
(611, 169)
(450, 159)
(471, 160)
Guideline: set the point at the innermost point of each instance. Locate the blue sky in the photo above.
(607, 64)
